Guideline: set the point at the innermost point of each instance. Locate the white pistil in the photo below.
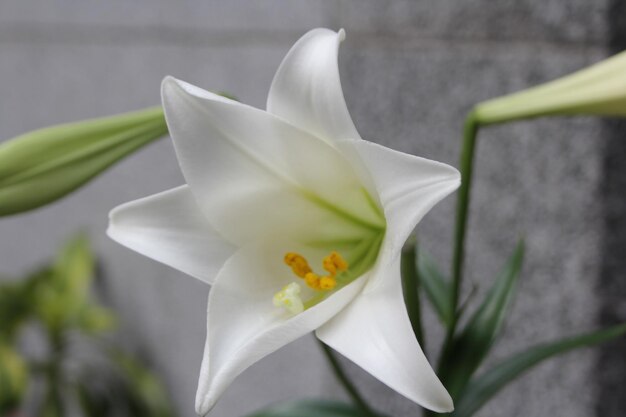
(289, 298)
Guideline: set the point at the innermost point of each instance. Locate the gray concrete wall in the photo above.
(411, 69)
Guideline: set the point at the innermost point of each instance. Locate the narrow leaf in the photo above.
(310, 408)
(16, 306)
(64, 295)
(74, 267)
(471, 346)
(435, 286)
(13, 378)
(410, 288)
(482, 389)
(93, 319)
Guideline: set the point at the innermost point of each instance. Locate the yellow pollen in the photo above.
(327, 283)
(298, 264)
(312, 280)
(334, 262)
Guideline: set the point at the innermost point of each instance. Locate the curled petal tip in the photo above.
(203, 409)
(342, 35)
(456, 177)
(446, 406)
(449, 176)
(167, 85)
(167, 80)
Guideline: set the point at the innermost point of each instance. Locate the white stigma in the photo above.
(289, 298)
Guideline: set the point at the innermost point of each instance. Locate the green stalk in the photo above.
(53, 407)
(345, 381)
(470, 132)
(411, 289)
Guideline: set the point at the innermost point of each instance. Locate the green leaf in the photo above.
(124, 387)
(144, 388)
(436, 287)
(92, 402)
(94, 319)
(411, 289)
(13, 378)
(61, 292)
(42, 166)
(16, 306)
(74, 267)
(482, 389)
(310, 408)
(471, 346)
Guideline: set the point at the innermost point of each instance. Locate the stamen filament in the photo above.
(333, 263)
(340, 272)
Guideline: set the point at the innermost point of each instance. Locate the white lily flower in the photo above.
(292, 185)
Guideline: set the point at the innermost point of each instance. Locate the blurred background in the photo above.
(410, 69)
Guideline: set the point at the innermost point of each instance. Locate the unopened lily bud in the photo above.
(597, 90)
(42, 166)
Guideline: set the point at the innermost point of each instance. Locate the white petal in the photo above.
(375, 333)
(374, 330)
(170, 228)
(407, 187)
(256, 176)
(306, 90)
(243, 324)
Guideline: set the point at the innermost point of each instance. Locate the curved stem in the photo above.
(467, 164)
(345, 381)
(470, 132)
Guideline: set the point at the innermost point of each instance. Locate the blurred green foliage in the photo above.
(311, 408)
(470, 345)
(56, 302)
(42, 166)
(56, 299)
(13, 378)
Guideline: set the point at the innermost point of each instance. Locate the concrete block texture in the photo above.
(577, 21)
(163, 311)
(537, 179)
(411, 69)
(232, 15)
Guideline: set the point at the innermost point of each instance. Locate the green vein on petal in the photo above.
(365, 256)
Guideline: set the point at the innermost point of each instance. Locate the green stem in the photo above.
(54, 399)
(345, 381)
(470, 132)
(411, 288)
